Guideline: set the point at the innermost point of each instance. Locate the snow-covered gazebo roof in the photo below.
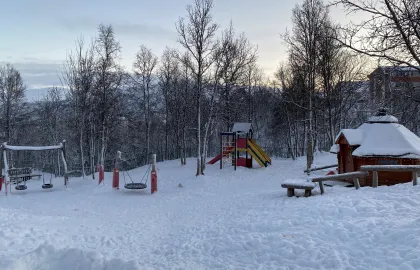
(381, 135)
(241, 127)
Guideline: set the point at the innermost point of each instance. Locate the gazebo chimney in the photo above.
(381, 112)
(383, 117)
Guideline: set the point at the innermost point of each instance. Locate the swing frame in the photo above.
(5, 147)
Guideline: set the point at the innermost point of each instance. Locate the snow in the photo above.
(390, 139)
(241, 127)
(390, 167)
(381, 138)
(300, 182)
(353, 136)
(46, 257)
(223, 220)
(32, 148)
(383, 119)
(335, 149)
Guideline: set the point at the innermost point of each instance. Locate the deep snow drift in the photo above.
(224, 220)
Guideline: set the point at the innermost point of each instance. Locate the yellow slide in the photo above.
(263, 153)
(253, 150)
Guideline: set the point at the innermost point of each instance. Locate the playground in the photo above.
(224, 220)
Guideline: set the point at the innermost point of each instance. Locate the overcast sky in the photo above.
(37, 35)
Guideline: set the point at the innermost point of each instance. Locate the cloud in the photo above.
(82, 24)
(36, 73)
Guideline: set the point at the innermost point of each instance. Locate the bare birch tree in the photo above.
(196, 34)
(79, 76)
(109, 80)
(144, 67)
(12, 93)
(169, 73)
(391, 31)
(308, 20)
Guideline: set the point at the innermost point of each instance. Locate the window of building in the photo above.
(387, 162)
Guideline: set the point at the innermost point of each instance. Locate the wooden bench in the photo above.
(302, 184)
(18, 175)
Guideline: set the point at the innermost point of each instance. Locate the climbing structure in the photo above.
(238, 148)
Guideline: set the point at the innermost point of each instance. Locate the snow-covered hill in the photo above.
(224, 220)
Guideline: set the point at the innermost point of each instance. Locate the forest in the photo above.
(176, 104)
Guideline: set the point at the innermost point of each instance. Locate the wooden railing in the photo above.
(352, 175)
(414, 169)
(321, 168)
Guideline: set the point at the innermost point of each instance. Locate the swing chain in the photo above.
(142, 179)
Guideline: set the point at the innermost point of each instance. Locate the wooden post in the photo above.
(321, 187)
(414, 178)
(246, 145)
(290, 192)
(116, 173)
(356, 182)
(308, 193)
(221, 151)
(6, 171)
(235, 154)
(1, 170)
(153, 186)
(63, 156)
(374, 179)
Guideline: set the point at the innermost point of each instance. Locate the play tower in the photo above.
(238, 148)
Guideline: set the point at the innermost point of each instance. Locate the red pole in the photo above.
(116, 174)
(153, 175)
(116, 179)
(101, 174)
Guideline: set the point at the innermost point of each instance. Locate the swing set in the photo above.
(136, 185)
(131, 184)
(26, 155)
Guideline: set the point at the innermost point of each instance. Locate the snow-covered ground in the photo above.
(224, 220)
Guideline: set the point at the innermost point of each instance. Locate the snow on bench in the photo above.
(300, 182)
(292, 184)
(412, 168)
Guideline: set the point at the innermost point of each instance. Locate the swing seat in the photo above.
(21, 187)
(135, 186)
(47, 186)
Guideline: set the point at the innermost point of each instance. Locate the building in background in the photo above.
(387, 81)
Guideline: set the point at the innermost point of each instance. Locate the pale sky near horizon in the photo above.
(37, 35)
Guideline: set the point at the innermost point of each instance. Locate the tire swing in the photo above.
(46, 185)
(136, 185)
(20, 186)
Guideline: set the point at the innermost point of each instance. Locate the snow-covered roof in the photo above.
(383, 138)
(388, 139)
(399, 68)
(353, 136)
(241, 127)
(335, 149)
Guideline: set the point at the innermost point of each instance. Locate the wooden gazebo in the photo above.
(379, 141)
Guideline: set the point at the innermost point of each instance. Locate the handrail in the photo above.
(338, 176)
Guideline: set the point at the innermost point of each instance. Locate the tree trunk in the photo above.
(102, 152)
(82, 158)
(205, 144)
